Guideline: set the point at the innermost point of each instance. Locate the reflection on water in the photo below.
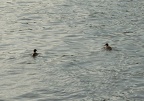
(69, 35)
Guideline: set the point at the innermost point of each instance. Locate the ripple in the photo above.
(29, 96)
(69, 35)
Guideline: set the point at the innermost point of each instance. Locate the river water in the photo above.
(69, 35)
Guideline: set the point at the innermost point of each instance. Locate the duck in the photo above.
(35, 53)
(107, 47)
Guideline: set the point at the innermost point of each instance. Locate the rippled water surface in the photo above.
(69, 35)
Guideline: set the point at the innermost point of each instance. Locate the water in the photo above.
(69, 35)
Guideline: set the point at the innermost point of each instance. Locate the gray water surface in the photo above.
(69, 35)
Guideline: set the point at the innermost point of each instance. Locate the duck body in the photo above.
(107, 47)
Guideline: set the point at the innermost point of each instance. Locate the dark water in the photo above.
(69, 35)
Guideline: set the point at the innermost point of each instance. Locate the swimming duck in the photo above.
(107, 47)
(35, 53)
